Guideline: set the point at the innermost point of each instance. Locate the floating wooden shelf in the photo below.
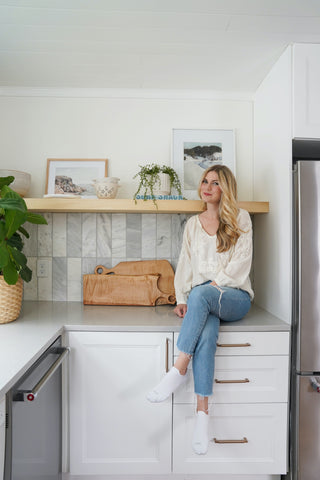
(125, 205)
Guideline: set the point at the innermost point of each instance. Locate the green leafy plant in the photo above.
(13, 215)
(149, 177)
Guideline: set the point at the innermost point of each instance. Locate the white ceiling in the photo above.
(220, 45)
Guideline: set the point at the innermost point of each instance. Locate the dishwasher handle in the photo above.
(30, 395)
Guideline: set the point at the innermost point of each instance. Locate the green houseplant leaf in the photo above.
(13, 217)
(6, 181)
(4, 257)
(36, 218)
(10, 273)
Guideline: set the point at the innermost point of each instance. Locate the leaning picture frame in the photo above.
(194, 150)
(74, 176)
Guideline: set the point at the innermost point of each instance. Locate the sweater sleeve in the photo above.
(235, 267)
(183, 273)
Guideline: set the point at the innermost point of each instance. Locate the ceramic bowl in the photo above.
(106, 187)
(21, 183)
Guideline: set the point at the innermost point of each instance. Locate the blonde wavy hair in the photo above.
(228, 231)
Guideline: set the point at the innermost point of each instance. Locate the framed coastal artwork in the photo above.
(73, 177)
(194, 150)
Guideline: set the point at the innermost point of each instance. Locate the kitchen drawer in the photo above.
(249, 343)
(252, 379)
(259, 429)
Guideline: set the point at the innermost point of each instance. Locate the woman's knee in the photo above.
(203, 293)
(235, 304)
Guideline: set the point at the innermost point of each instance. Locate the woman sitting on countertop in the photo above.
(211, 283)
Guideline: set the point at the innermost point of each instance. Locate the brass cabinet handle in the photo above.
(167, 355)
(245, 380)
(244, 440)
(234, 344)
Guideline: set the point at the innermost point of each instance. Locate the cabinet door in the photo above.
(244, 439)
(306, 93)
(113, 428)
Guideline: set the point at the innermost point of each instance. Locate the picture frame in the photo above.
(194, 150)
(76, 176)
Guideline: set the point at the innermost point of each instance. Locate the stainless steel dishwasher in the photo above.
(33, 430)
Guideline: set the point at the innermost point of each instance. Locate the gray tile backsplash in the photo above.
(118, 235)
(133, 236)
(74, 235)
(59, 235)
(89, 234)
(72, 244)
(104, 235)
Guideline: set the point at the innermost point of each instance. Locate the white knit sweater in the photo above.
(199, 260)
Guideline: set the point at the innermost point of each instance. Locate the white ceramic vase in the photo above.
(162, 186)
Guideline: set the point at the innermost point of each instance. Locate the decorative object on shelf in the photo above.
(195, 150)
(142, 282)
(156, 180)
(13, 263)
(159, 197)
(21, 182)
(106, 187)
(74, 176)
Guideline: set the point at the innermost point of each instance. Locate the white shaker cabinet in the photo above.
(248, 409)
(306, 92)
(113, 428)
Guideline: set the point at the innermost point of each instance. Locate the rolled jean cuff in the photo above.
(204, 395)
(184, 351)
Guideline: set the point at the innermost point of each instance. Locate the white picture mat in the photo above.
(188, 138)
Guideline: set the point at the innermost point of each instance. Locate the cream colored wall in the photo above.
(272, 181)
(127, 131)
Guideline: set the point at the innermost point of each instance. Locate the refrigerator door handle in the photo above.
(315, 384)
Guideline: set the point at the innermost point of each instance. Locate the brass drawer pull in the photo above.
(234, 344)
(245, 380)
(244, 440)
(167, 356)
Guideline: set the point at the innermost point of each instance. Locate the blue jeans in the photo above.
(207, 305)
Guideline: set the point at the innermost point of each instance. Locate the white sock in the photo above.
(200, 439)
(170, 382)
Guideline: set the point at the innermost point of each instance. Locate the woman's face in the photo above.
(210, 190)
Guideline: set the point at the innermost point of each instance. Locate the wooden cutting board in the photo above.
(124, 290)
(145, 267)
(143, 282)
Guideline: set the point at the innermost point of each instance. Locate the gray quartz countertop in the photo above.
(24, 340)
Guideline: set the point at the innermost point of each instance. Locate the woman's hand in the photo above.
(180, 310)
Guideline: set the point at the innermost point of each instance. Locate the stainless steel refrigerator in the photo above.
(305, 380)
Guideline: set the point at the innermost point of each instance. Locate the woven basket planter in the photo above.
(10, 300)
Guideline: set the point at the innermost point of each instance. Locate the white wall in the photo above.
(272, 181)
(127, 131)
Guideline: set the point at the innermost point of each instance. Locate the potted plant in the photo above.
(13, 263)
(150, 181)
